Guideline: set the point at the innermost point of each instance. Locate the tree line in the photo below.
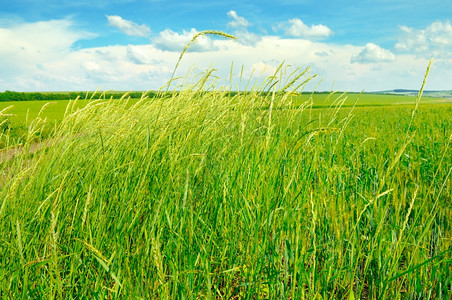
(36, 96)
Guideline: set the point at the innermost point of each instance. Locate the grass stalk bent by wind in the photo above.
(192, 41)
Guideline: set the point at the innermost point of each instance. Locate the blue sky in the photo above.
(134, 45)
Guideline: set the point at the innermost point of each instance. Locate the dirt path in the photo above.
(9, 154)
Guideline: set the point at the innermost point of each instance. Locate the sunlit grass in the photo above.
(198, 194)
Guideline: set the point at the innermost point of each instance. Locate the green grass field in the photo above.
(56, 108)
(22, 113)
(354, 99)
(257, 196)
(19, 116)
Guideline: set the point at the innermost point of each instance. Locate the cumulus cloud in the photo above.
(433, 41)
(247, 38)
(244, 36)
(32, 45)
(169, 40)
(40, 37)
(91, 66)
(296, 28)
(40, 56)
(322, 53)
(372, 53)
(142, 55)
(128, 27)
(264, 68)
(237, 21)
(332, 69)
(138, 55)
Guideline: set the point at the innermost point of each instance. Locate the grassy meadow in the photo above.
(200, 195)
(19, 115)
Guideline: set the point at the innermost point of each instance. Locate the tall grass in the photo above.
(197, 194)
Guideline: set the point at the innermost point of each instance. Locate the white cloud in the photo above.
(112, 67)
(296, 28)
(264, 68)
(237, 21)
(433, 41)
(140, 55)
(247, 38)
(372, 53)
(40, 56)
(172, 41)
(244, 37)
(322, 53)
(334, 69)
(27, 63)
(32, 45)
(128, 27)
(37, 39)
(91, 66)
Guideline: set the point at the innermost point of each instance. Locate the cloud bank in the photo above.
(433, 41)
(42, 56)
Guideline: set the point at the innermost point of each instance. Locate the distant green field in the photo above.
(349, 99)
(30, 110)
(55, 110)
(22, 113)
